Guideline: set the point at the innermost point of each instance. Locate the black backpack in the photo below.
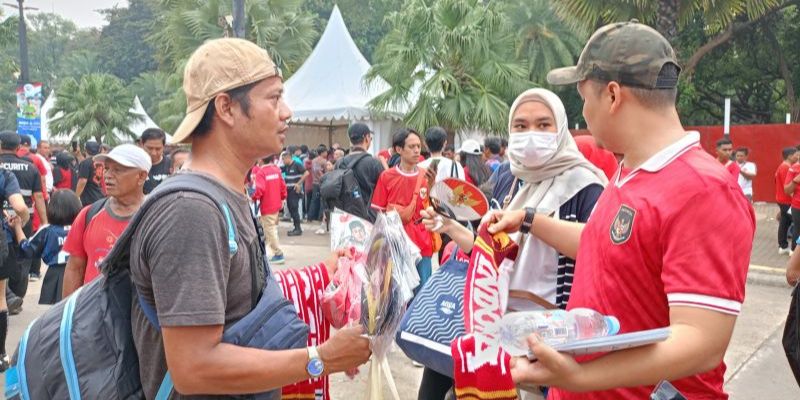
(83, 346)
(340, 189)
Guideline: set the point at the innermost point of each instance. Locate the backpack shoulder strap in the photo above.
(179, 183)
(94, 209)
(344, 165)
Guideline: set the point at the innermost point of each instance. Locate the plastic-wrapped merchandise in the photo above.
(372, 289)
(390, 276)
(347, 231)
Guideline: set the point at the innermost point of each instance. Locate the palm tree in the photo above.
(543, 39)
(96, 107)
(456, 58)
(280, 26)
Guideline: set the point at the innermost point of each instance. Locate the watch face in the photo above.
(315, 367)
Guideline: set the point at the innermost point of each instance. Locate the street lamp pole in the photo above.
(23, 40)
(23, 44)
(238, 18)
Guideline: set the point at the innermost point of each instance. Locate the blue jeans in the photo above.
(424, 269)
(315, 205)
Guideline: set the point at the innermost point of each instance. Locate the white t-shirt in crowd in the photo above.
(445, 168)
(744, 183)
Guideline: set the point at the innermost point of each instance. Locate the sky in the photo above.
(82, 12)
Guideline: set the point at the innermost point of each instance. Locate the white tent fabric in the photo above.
(330, 89)
(137, 127)
(330, 84)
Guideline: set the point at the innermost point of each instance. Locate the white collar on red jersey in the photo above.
(663, 158)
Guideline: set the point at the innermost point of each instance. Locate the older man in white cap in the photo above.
(98, 225)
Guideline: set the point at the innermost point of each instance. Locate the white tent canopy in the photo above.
(330, 89)
(137, 127)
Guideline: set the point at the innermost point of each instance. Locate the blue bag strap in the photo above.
(23, 375)
(65, 347)
(165, 389)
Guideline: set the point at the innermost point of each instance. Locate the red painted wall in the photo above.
(766, 142)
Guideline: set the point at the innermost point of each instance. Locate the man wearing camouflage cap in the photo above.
(659, 249)
(182, 261)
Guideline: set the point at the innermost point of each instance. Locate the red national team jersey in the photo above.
(794, 170)
(780, 181)
(677, 231)
(733, 169)
(95, 241)
(397, 187)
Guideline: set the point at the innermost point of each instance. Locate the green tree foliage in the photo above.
(543, 39)
(162, 97)
(122, 48)
(457, 57)
(95, 107)
(757, 70)
(280, 26)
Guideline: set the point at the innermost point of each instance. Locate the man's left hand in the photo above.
(551, 369)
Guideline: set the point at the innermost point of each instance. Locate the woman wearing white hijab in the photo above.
(556, 180)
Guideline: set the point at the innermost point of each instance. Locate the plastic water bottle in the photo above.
(554, 327)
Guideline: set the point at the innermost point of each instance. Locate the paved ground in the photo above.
(757, 368)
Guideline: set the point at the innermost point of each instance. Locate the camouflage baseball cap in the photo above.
(630, 53)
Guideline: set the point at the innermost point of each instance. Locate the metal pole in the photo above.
(726, 130)
(238, 18)
(788, 118)
(23, 45)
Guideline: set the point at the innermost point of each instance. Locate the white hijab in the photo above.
(549, 186)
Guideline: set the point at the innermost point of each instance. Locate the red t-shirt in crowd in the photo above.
(397, 187)
(794, 170)
(270, 188)
(669, 233)
(66, 179)
(95, 241)
(733, 169)
(780, 182)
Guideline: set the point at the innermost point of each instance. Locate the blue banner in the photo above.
(29, 108)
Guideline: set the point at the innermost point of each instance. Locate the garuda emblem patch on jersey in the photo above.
(622, 226)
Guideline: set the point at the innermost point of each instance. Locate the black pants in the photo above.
(314, 205)
(293, 202)
(434, 386)
(784, 221)
(18, 281)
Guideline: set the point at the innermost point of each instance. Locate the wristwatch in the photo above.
(527, 222)
(315, 367)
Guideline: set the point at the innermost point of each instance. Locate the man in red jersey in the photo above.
(724, 152)
(784, 200)
(665, 244)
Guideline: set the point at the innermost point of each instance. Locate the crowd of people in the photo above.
(593, 231)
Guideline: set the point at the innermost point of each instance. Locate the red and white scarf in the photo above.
(304, 287)
(482, 367)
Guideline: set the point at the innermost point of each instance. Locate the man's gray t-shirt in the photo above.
(181, 263)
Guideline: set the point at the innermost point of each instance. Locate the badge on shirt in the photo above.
(622, 226)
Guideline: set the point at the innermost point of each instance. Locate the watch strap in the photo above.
(527, 222)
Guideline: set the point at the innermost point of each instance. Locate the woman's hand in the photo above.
(434, 222)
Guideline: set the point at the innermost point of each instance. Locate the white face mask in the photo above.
(532, 149)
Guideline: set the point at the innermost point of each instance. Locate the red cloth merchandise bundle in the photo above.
(341, 302)
(482, 367)
(305, 288)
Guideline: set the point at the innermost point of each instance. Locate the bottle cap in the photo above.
(613, 325)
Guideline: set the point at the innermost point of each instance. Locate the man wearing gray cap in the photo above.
(181, 261)
(98, 225)
(659, 249)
